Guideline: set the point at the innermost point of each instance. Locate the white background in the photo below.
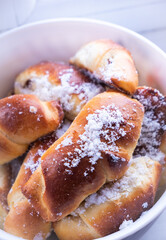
(147, 17)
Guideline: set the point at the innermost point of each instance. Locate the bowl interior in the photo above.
(58, 40)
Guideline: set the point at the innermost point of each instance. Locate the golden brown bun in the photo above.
(5, 185)
(23, 119)
(103, 212)
(58, 81)
(109, 62)
(96, 148)
(22, 219)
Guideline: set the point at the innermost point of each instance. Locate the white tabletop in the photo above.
(147, 17)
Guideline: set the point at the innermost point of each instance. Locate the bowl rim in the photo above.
(160, 205)
(83, 20)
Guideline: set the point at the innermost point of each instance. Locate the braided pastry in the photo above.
(108, 62)
(23, 119)
(96, 148)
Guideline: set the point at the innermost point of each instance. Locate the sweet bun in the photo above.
(58, 81)
(104, 212)
(108, 62)
(22, 219)
(23, 119)
(96, 148)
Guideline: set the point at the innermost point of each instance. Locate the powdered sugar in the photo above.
(59, 214)
(110, 71)
(149, 138)
(126, 223)
(66, 142)
(8, 104)
(34, 158)
(98, 126)
(145, 205)
(63, 92)
(33, 109)
(104, 127)
(154, 123)
(30, 164)
(121, 188)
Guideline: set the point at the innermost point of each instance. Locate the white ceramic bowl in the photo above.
(58, 40)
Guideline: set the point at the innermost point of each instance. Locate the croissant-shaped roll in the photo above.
(96, 148)
(22, 219)
(5, 185)
(108, 62)
(58, 81)
(113, 205)
(23, 119)
(154, 124)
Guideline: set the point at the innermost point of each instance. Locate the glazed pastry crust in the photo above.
(23, 119)
(85, 184)
(105, 218)
(22, 219)
(55, 189)
(58, 81)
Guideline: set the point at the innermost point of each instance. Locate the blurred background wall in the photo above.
(147, 17)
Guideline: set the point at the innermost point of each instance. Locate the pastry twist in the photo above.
(102, 213)
(96, 148)
(23, 119)
(58, 81)
(108, 62)
(22, 219)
